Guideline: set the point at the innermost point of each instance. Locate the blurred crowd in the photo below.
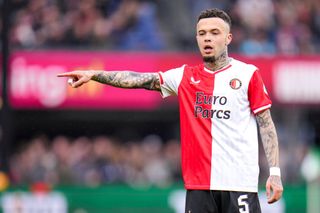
(265, 27)
(95, 161)
(149, 161)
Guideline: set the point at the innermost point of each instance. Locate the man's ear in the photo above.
(228, 39)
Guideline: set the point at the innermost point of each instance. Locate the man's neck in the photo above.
(222, 61)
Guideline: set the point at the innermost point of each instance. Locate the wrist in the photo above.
(275, 171)
(93, 74)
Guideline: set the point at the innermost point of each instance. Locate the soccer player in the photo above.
(221, 102)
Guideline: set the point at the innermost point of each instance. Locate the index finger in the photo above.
(66, 74)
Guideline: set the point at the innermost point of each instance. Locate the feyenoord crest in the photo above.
(235, 83)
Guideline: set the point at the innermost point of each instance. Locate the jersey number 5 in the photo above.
(243, 204)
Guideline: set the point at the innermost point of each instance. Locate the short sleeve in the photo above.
(257, 94)
(170, 81)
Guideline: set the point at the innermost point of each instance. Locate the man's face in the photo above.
(213, 37)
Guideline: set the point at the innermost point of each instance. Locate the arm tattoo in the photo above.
(276, 180)
(269, 137)
(128, 79)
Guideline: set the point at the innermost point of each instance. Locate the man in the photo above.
(220, 103)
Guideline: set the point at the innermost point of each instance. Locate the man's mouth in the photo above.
(208, 49)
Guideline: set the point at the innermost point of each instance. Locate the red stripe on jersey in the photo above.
(194, 94)
(217, 71)
(257, 94)
(160, 78)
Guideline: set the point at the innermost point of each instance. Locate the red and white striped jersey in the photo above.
(219, 139)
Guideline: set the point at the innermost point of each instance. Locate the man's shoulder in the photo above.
(193, 67)
(241, 65)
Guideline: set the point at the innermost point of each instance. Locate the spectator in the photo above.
(282, 27)
(96, 161)
(257, 43)
(150, 161)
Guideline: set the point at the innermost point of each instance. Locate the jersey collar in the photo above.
(220, 70)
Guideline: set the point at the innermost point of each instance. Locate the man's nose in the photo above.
(207, 38)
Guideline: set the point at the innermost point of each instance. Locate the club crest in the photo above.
(235, 83)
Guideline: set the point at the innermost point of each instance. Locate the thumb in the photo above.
(268, 189)
(78, 83)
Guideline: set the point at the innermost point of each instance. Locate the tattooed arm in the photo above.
(122, 79)
(270, 144)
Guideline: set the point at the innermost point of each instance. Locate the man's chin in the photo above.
(209, 59)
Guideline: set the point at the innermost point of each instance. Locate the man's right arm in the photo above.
(122, 79)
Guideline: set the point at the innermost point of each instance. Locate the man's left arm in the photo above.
(270, 144)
